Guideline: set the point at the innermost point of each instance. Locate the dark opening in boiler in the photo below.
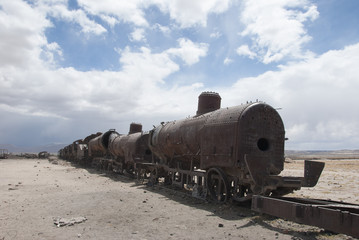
(263, 144)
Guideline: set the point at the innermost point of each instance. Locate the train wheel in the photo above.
(153, 179)
(217, 185)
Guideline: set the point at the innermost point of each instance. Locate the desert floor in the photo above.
(34, 193)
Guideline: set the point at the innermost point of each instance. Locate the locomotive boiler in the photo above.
(129, 150)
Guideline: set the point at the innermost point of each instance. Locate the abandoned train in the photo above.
(234, 152)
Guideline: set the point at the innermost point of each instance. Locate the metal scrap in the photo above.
(60, 222)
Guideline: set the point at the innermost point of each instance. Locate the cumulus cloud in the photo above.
(71, 98)
(316, 97)
(189, 13)
(58, 9)
(61, 92)
(245, 51)
(64, 98)
(22, 37)
(123, 11)
(189, 51)
(227, 61)
(163, 29)
(184, 12)
(138, 35)
(92, 100)
(215, 35)
(277, 28)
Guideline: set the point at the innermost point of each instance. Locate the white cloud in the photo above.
(66, 93)
(51, 50)
(123, 11)
(316, 97)
(189, 51)
(227, 61)
(276, 28)
(58, 9)
(163, 29)
(215, 35)
(40, 90)
(112, 21)
(147, 67)
(188, 13)
(184, 12)
(21, 30)
(138, 35)
(245, 51)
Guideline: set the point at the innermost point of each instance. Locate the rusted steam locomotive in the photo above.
(224, 153)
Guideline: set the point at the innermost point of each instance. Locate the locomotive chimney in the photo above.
(135, 127)
(208, 102)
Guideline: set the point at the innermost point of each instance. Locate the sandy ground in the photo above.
(339, 180)
(34, 192)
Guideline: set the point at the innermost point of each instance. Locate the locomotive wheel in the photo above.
(153, 179)
(217, 185)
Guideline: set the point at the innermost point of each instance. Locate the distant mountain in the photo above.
(51, 148)
(333, 154)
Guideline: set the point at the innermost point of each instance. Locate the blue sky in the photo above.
(71, 68)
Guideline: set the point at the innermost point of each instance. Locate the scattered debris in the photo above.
(29, 155)
(60, 222)
(44, 154)
(4, 153)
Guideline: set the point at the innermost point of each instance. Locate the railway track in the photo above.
(338, 217)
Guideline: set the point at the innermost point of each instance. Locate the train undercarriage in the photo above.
(214, 183)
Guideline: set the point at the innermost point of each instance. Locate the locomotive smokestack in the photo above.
(135, 127)
(208, 102)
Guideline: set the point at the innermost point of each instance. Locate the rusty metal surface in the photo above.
(312, 172)
(333, 216)
(219, 138)
(208, 102)
(261, 135)
(253, 129)
(131, 148)
(135, 127)
(177, 139)
(87, 139)
(99, 145)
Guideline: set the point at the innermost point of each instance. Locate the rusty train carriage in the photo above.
(228, 153)
(129, 150)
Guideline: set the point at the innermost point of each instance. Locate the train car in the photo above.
(235, 152)
(130, 150)
(98, 155)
